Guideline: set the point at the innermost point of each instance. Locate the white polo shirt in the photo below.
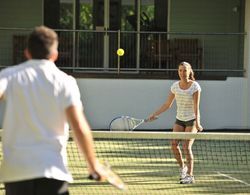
(185, 100)
(35, 129)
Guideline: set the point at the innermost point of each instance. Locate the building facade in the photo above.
(156, 35)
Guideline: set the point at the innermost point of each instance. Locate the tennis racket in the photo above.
(110, 176)
(125, 123)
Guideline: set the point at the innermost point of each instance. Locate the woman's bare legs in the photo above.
(187, 148)
(176, 148)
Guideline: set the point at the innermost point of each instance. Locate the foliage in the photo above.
(66, 16)
(85, 18)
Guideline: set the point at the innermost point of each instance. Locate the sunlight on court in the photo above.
(147, 166)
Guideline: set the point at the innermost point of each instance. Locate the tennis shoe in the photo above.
(188, 180)
(183, 172)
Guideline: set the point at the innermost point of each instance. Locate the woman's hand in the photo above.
(199, 127)
(151, 118)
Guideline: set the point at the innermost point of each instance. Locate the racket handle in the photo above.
(148, 119)
(94, 176)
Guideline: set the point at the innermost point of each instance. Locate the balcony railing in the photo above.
(145, 52)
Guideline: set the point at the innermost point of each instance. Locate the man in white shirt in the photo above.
(40, 101)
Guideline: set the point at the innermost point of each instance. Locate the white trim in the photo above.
(169, 16)
(247, 63)
(171, 135)
(106, 36)
(138, 34)
(233, 178)
(74, 14)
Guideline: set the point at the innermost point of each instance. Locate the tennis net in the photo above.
(145, 162)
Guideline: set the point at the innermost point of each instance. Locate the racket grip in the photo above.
(148, 119)
(94, 176)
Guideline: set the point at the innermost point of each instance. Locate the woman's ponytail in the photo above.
(191, 76)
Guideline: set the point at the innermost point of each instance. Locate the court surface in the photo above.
(147, 166)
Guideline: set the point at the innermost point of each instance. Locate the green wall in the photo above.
(21, 14)
(212, 16)
(205, 16)
(17, 14)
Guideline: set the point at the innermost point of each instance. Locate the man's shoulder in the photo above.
(12, 69)
(63, 79)
(64, 76)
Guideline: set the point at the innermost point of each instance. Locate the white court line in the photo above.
(233, 178)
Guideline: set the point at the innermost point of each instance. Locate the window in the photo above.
(155, 35)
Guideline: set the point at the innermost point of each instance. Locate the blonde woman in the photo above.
(186, 92)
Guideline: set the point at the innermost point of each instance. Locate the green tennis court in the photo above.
(145, 162)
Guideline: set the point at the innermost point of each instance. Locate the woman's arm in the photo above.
(168, 103)
(196, 97)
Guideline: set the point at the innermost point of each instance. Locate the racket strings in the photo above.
(125, 123)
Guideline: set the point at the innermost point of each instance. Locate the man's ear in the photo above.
(54, 56)
(27, 54)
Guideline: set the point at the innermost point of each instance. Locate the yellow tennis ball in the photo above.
(120, 52)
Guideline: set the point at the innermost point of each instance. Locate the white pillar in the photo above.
(247, 62)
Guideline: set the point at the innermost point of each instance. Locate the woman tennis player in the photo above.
(186, 92)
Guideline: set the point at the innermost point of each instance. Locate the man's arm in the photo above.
(83, 136)
(1, 95)
(3, 84)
